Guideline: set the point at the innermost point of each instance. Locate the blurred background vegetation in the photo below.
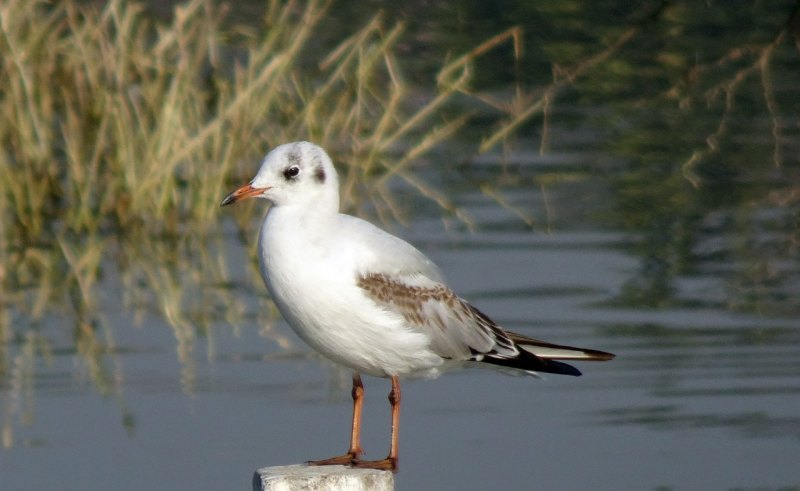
(123, 124)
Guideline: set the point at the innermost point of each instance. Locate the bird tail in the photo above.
(550, 351)
(536, 356)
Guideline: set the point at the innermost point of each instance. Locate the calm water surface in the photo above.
(698, 398)
(694, 289)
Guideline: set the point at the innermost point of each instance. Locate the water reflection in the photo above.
(652, 209)
(740, 376)
(67, 299)
(750, 424)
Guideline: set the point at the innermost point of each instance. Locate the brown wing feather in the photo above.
(459, 331)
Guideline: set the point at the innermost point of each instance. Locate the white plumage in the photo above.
(366, 299)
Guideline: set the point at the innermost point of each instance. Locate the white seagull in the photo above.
(368, 300)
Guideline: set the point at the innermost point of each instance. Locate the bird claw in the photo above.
(387, 464)
(352, 460)
(346, 459)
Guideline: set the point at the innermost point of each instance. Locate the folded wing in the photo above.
(460, 332)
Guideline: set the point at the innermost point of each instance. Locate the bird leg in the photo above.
(355, 435)
(390, 462)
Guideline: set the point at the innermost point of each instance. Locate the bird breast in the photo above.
(328, 310)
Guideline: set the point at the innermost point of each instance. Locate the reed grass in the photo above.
(114, 124)
(119, 135)
(111, 121)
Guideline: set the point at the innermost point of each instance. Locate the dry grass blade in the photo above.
(522, 113)
(729, 88)
(114, 124)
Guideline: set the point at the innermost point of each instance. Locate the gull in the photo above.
(368, 300)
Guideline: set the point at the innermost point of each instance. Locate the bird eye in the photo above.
(291, 172)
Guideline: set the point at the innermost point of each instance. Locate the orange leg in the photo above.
(390, 462)
(355, 437)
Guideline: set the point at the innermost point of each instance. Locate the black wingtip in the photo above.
(531, 363)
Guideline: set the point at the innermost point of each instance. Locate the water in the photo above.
(181, 377)
(700, 398)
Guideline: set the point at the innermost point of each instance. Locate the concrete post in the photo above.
(321, 478)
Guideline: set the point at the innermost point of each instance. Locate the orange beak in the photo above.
(244, 192)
